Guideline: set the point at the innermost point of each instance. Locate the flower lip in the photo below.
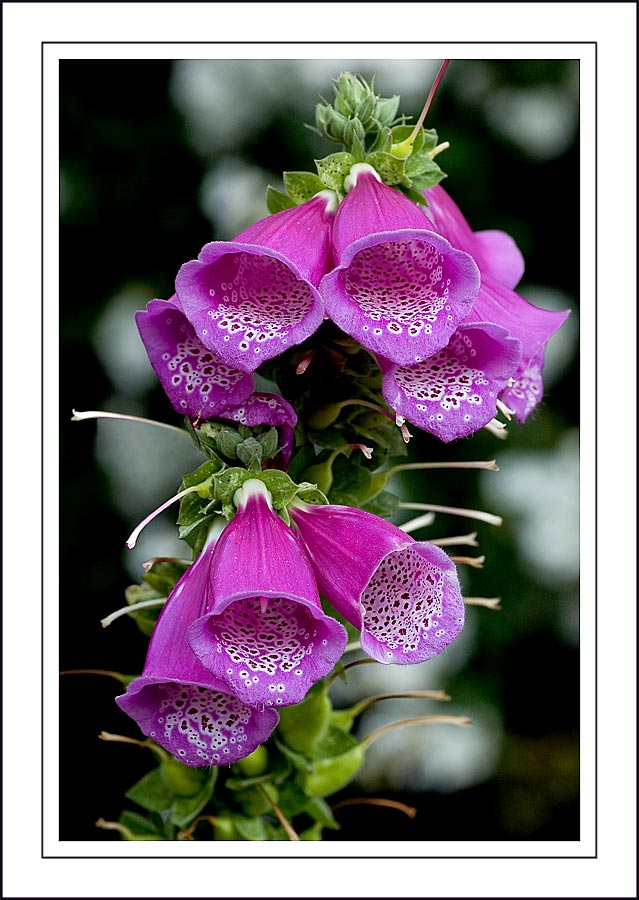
(401, 293)
(198, 721)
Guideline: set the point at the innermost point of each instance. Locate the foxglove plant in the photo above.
(367, 302)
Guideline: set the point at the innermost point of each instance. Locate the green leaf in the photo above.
(320, 811)
(250, 829)
(141, 828)
(276, 201)
(293, 799)
(301, 186)
(387, 166)
(145, 619)
(383, 505)
(296, 759)
(151, 792)
(185, 809)
(333, 169)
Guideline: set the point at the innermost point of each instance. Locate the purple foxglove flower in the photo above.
(179, 703)
(402, 594)
(252, 298)
(263, 408)
(196, 381)
(495, 252)
(263, 630)
(399, 288)
(454, 392)
(501, 267)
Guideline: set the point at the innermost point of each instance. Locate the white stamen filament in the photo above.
(131, 540)
(488, 602)
(489, 464)
(143, 604)
(506, 411)
(79, 416)
(418, 522)
(477, 562)
(467, 540)
(455, 511)
(497, 428)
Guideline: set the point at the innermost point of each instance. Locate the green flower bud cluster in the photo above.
(355, 112)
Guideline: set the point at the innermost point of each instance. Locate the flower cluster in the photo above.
(374, 245)
(243, 632)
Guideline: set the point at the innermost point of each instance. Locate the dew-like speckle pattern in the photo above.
(194, 370)
(400, 286)
(266, 641)
(256, 299)
(403, 602)
(446, 380)
(199, 725)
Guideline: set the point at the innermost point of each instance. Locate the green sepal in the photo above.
(386, 111)
(256, 763)
(276, 201)
(202, 476)
(401, 133)
(249, 829)
(185, 809)
(320, 811)
(224, 829)
(304, 725)
(383, 141)
(185, 781)
(253, 801)
(293, 799)
(383, 504)
(140, 828)
(249, 452)
(165, 574)
(429, 177)
(301, 186)
(335, 742)
(333, 169)
(332, 772)
(314, 833)
(297, 760)
(151, 792)
(389, 167)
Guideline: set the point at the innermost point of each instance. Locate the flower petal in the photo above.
(403, 595)
(528, 388)
(252, 298)
(454, 393)
(196, 381)
(264, 631)
(495, 252)
(181, 704)
(528, 323)
(400, 289)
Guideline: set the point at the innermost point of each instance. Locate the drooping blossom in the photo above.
(197, 382)
(454, 392)
(402, 594)
(264, 408)
(399, 288)
(179, 703)
(501, 267)
(263, 630)
(254, 297)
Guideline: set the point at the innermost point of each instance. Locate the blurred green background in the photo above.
(160, 157)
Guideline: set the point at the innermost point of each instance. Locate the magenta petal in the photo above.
(264, 631)
(178, 702)
(454, 393)
(252, 298)
(399, 289)
(196, 381)
(529, 324)
(403, 595)
(527, 388)
(495, 252)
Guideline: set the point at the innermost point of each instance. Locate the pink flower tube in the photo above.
(254, 297)
(402, 594)
(263, 631)
(399, 288)
(181, 704)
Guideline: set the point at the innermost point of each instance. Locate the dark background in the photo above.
(135, 165)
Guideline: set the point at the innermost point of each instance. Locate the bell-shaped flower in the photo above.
(501, 266)
(402, 594)
(264, 408)
(495, 252)
(179, 703)
(197, 382)
(263, 631)
(454, 392)
(399, 288)
(251, 298)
